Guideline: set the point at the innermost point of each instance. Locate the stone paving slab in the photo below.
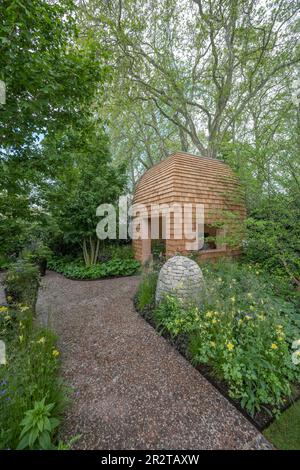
(132, 389)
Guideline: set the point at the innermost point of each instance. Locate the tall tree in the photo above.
(85, 177)
(52, 77)
(202, 63)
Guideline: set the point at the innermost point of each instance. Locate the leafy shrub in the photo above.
(77, 270)
(22, 283)
(172, 316)
(118, 252)
(37, 427)
(146, 290)
(36, 252)
(250, 353)
(5, 262)
(243, 331)
(273, 237)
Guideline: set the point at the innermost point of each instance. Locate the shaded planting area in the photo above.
(76, 269)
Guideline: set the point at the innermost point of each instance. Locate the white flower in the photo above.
(296, 344)
(296, 357)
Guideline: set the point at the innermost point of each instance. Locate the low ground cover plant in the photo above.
(284, 433)
(243, 331)
(77, 269)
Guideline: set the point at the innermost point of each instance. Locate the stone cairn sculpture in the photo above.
(181, 277)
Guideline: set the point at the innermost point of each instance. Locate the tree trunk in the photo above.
(90, 255)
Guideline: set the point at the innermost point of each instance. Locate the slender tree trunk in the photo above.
(90, 255)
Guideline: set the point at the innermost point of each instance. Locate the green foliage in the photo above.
(37, 251)
(77, 270)
(251, 354)
(214, 92)
(68, 445)
(31, 392)
(88, 178)
(37, 427)
(8, 318)
(114, 251)
(172, 316)
(243, 331)
(47, 75)
(22, 283)
(273, 237)
(284, 432)
(4, 262)
(52, 76)
(146, 290)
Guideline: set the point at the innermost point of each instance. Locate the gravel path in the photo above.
(132, 390)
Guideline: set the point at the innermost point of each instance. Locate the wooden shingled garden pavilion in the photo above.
(186, 178)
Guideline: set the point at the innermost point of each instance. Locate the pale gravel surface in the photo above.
(132, 389)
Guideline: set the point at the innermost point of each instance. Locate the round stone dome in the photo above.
(181, 277)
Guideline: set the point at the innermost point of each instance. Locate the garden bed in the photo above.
(243, 337)
(30, 382)
(261, 420)
(76, 270)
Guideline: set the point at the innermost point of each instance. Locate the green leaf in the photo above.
(45, 441)
(24, 443)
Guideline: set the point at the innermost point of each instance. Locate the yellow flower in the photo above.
(249, 295)
(208, 315)
(214, 321)
(213, 344)
(55, 353)
(232, 299)
(3, 309)
(41, 340)
(24, 308)
(256, 272)
(230, 346)
(274, 346)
